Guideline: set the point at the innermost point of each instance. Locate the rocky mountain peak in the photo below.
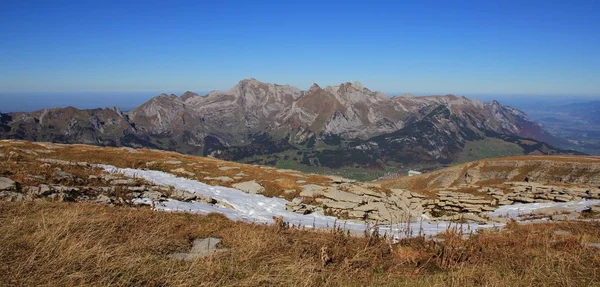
(313, 88)
(188, 95)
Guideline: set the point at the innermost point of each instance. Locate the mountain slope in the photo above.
(333, 127)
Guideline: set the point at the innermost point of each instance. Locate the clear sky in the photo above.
(422, 47)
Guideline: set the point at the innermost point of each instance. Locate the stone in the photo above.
(523, 199)
(362, 191)
(61, 175)
(201, 247)
(339, 179)
(251, 187)
(7, 184)
(220, 178)
(103, 199)
(289, 191)
(152, 195)
(566, 217)
(356, 214)
(474, 218)
(418, 195)
(338, 195)
(311, 190)
(183, 195)
(181, 170)
(44, 190)
(337, 204)
(370, 185)
(499, 219)
(367, 207)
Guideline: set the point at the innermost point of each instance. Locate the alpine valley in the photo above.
(347, 129)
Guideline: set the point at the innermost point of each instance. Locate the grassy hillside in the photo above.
(570, 170)
(62, 244)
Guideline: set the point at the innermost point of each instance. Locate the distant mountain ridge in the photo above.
(335, 126)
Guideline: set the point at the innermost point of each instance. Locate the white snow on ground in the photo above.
(261, 209)
(516, 210)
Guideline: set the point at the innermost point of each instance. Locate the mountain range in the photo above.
(345, 126)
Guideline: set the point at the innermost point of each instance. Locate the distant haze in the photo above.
(31, 101)
(25, 102)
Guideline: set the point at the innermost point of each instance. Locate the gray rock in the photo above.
(362, 191)
(183, 195)
(62, 175)
(338, 195)
(203, 247)
(103, 199)
(152, 195)
(251, 187)
(11, 196)
(311, 190)
(220, 178)
(566, 217)
(7, 184)
(44, 190)
(181, 170)
(337, 204)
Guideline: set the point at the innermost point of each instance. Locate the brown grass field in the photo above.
(79, 244)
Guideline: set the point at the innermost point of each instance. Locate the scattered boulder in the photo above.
(103, 199)
(155, 195)
(181, 170)
(251, 187)
(220, 178)
(183, 195)
(7, 184)
(201, 247)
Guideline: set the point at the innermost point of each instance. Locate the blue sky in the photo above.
(420, 47)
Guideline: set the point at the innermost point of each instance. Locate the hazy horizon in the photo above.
(126, 100)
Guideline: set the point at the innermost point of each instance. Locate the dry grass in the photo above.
(275, 182)
(59, 244)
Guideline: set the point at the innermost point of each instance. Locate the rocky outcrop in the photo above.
(349, 199)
